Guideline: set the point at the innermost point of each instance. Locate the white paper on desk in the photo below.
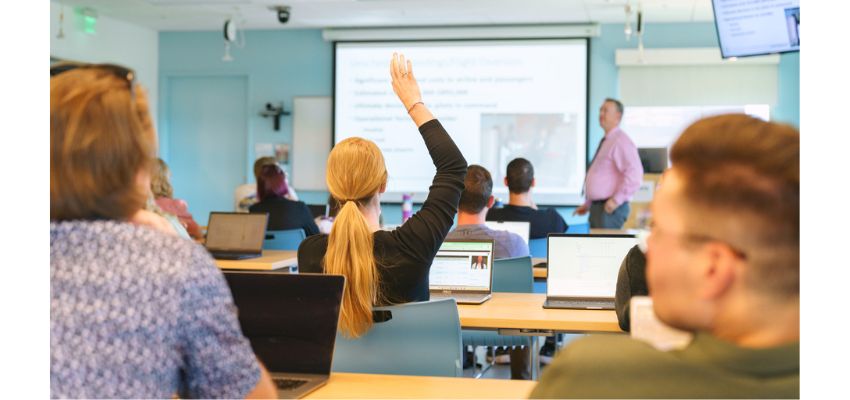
(647, 327)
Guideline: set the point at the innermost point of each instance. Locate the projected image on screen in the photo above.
(548, 141)
(498, 99)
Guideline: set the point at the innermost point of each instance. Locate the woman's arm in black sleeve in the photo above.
(421, 236)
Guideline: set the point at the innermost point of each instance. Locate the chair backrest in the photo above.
(420, 339)
(284, 240)
(579, 228)
(537, 247)
(513, 275)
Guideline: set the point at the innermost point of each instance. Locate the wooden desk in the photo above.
(271, 260)
(373, 386)
(525, 311)
(523, 314)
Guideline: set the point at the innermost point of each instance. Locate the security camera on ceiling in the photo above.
(282, 13)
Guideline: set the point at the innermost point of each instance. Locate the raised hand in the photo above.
(404, 82)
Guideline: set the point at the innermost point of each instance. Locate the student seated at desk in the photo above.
(163, 195)
(135, 312)
(631, 281)
(384, 267)
(283, 213)
(724, 263)
(519, 178)
(245, 195)
(476, 199)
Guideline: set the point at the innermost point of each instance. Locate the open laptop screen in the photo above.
(236, 231)
(290, 319)
(521, 228)
(585, 265)
(462, 265)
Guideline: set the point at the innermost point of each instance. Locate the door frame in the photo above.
(164, 111)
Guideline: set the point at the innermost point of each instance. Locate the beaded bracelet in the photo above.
(414, 105)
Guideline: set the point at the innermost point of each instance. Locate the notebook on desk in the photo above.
(236, 236)
(521, 228)
(463, 270)
(583, 269)
(291, 321)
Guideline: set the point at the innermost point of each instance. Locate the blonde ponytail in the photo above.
(355, 173)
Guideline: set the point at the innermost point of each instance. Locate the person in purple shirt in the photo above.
(615, 173)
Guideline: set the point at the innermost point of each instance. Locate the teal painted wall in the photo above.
(279, 65)
(282, 64)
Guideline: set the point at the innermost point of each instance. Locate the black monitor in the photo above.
(290, 319)
(653, 159)
(318, 210)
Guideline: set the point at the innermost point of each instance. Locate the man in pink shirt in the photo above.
(615, 172)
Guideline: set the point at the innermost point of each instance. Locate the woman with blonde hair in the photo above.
(163, 195)
(384, 267)
(134, 311)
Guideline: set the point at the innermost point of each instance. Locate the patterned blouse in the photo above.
(137, 314)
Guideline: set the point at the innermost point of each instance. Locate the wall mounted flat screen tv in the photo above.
(751, 28)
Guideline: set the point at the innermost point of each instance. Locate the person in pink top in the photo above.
(164, 198)
(615, 173)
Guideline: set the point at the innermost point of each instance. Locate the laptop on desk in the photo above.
(583, 269)
(463, 270)
(291, 321)
(521, 228)
(236, 236)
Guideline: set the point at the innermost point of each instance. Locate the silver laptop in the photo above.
(463, 270)
(235, 236)
(583, 269)
(521, 228)
(291, 321)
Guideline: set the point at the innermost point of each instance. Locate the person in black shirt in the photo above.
(283, 213)
(384, 267)
(631, 281)
(519, 180)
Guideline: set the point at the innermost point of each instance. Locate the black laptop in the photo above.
(583, 269)
(291, 321)
(236, 236)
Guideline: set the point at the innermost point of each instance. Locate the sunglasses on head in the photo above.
(121, 72)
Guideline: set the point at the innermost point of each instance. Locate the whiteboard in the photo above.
(650, 126)
(311, 141)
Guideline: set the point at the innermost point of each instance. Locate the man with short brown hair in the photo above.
(723, 263)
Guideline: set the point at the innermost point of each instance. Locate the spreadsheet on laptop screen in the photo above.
(462, 266)
(585, 266)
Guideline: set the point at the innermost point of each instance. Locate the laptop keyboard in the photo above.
(475, 298)
(581, 304)
(288, 383)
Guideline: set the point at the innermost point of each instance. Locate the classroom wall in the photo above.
(279, 64)
(276, 75)
(114, 41)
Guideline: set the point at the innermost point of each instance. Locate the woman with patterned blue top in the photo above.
(134, 311)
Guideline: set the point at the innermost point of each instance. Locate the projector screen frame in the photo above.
(587, 42)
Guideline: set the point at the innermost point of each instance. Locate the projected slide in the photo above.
(498, 100)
